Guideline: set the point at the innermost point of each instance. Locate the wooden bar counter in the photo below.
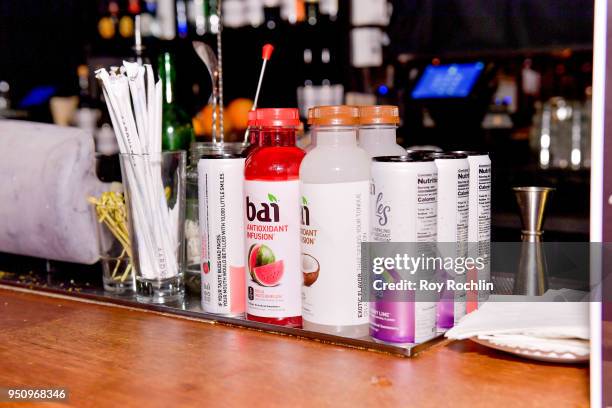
(111, 356)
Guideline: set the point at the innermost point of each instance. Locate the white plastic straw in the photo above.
(151, 109)
(135, 74)
(135, 107)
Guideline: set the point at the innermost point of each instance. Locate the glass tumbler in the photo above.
(114, 243)
(155, 195)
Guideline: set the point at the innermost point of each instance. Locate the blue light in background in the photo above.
(182, 29)
(37, 96)
(447, 81)
(151, 7)
(383, 90)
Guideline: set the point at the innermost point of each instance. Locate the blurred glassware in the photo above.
(63, 109)
(5, 97)
(561, 133)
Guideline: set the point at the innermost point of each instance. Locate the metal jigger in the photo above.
(532, 278)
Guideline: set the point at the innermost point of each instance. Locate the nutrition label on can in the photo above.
(424, 321)
(463, 204)
(484, 202)
(427, 187)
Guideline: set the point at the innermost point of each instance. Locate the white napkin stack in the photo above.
(533, 323)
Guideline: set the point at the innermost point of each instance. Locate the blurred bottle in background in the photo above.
(5, 99)
(321, 73)
(88, 110)
(177, 131)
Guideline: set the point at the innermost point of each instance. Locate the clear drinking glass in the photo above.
(155, 195)
(114, 244)
(117, 272)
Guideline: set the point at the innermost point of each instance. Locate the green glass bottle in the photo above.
(177, 132)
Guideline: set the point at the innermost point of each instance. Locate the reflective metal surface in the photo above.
(532, 276)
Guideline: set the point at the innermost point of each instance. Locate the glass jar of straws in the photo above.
(156, 218)
(154, 182)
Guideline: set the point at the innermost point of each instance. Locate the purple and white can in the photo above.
(453, 223)
(404, 209)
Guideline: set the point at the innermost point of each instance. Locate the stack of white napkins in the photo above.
(533, 323)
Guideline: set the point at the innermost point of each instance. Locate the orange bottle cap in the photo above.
(379, 115)
(334, 115)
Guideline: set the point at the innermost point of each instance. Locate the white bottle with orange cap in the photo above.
(334, 187)
(377, 130)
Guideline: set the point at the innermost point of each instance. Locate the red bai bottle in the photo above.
(272, 223)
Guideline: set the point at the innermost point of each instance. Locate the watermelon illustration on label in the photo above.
(269, 275)
(263, 267)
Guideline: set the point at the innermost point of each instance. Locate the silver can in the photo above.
(479, 230)
(404, 199)
(453, 196)
(453, 224)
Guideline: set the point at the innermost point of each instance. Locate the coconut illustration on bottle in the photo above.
(310, 269)
(264, 269)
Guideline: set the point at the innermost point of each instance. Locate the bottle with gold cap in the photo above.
(377, 128)
(334, 188)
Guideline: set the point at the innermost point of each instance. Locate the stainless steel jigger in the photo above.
(532, 277)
